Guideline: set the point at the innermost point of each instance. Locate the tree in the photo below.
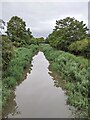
(40, 40)
(37, 41)
(29, 33)
(28, 36)
(7, 51)
(16, 29)
(67, 31)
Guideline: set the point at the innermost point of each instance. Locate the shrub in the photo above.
(9, 82)
(74, 70)
(81, 47)
(21, 58)
(7, 51)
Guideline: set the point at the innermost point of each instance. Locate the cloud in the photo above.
(41, 16)
(44, 0)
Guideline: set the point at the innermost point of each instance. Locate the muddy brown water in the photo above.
(37, 96)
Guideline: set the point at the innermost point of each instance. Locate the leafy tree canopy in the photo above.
(67, 31)
(16, 30)
(16, 27)
(7, 51)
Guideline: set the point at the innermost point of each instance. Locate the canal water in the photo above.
(37, 96)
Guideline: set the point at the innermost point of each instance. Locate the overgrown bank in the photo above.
(74, 70)
(20, 61)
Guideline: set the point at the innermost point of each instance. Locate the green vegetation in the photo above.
(37, 41)
(7, 51)
(21, 59)
(17, 36)
(69, 35)
(66, 32)
(17, 33)
(81, 47)
(17, 52)
(75, 71)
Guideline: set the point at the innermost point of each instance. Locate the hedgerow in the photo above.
(81, 47)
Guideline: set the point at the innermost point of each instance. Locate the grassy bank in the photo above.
(21, 59)
(74, 70)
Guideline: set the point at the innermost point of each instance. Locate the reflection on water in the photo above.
(37, 96)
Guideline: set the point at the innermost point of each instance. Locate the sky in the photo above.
(41, 15)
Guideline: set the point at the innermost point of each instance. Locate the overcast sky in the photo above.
(41, 16)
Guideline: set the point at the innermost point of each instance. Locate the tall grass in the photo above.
(21, 59)
(74, 70)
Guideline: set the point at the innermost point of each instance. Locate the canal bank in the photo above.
(73, 70)
(37, 96)
(15, 72)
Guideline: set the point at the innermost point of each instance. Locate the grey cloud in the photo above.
(41, 17)
(44, 0)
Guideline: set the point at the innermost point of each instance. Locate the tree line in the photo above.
(68, 35)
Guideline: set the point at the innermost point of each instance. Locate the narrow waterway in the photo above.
(37, 96)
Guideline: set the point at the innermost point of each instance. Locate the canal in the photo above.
(37, 96)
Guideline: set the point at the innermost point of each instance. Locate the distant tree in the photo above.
(29, 33)
(28, 36)
(37, 41)
(40, 40)
(16, 29)
(67, 31)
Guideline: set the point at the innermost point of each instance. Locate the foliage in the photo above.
(16, 30)
(5, 95)
(40, 40)
(81, 47)
(7, 51)
(67, 31)
(21, 59)
(37, 41)
(75, 71)
(34, 41)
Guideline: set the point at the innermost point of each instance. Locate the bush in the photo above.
(81, 47)
(9, 82)
(7, 51)
(20, 60)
